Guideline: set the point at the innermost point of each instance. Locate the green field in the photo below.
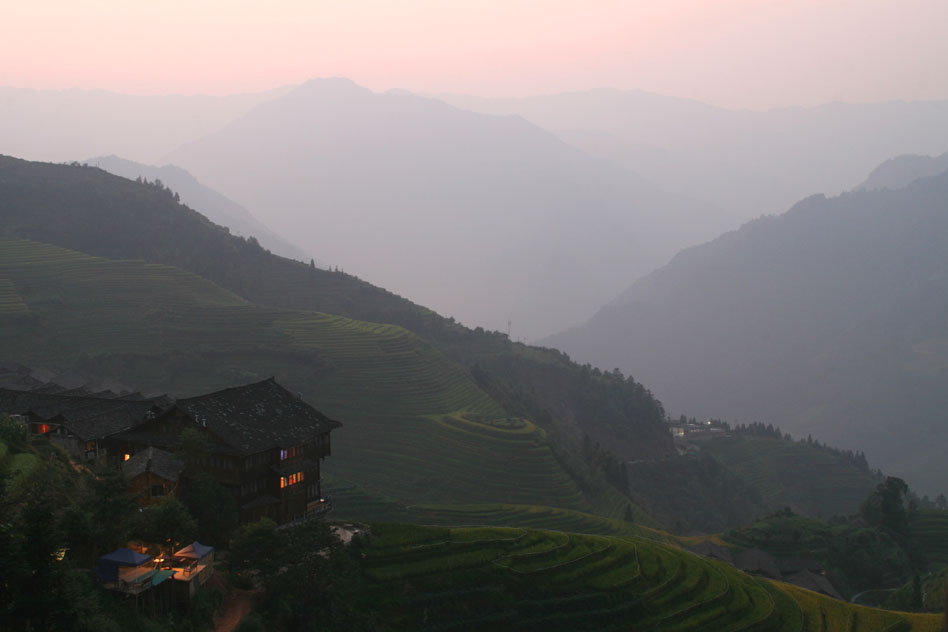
(431, 578)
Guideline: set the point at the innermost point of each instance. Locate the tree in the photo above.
(885, 507)
(111, 507)
(168, 521)
(213, 506)
(13, 433)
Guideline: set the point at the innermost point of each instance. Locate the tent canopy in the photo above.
(195, 551)
(125, 557)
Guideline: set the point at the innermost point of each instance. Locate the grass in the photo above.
(439, 578)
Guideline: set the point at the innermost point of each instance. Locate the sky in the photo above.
(735, 53)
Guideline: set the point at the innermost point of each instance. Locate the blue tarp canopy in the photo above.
(107, 568)
(125, 557)
(195, 551)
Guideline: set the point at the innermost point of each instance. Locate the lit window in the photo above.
(126, 456)
(292, 479)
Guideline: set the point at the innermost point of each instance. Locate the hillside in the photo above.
(810, 479)
(409, 413)
(592, 421)
(827, 320)
(214, 206)
(88, 210)
(483, 218)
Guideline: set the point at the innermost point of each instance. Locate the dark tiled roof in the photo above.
(86, 417)
(814, 582)
(258, 416)
(156, 461)
(759, 562)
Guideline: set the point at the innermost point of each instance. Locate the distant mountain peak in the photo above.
(341, 85)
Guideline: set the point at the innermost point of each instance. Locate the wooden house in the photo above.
(263, 444)
(152, 474)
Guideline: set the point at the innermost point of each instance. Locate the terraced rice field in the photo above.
(430, 578)
(823, 614)
(10, 301)
(489, 578)
(413, 373)
(930, 532)
(444, 458)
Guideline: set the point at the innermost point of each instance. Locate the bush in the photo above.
(13, 433)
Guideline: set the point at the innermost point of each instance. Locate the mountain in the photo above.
(420, 396)
(216, 207)
(749, 162)
(58, 125)
(485, 218)
(830, 320)
(87, 210)
(901, 171)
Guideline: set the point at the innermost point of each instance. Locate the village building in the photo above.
(262, 443)
(79, 421)
(152, 474)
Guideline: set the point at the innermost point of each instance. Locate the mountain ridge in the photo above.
(828, 319)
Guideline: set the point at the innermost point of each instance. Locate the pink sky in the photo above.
(743, 53)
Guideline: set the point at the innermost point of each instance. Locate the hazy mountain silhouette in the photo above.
(751, 162)
(901, 171)
(481, 217)
(216, 207)
(58, 125)
(830, 319)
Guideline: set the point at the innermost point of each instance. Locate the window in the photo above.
(291, 453)
(126, 456)
(157, 490)
(42, 428)
(292, 479)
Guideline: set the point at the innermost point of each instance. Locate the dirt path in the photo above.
(237, 604)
